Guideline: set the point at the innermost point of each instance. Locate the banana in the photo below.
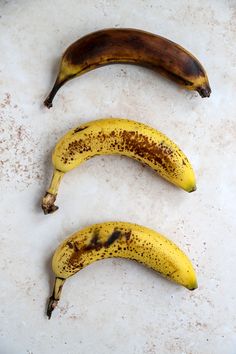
(119, 239)
(124, 137)
(132, 46)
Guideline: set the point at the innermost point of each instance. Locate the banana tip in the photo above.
(194, 287)
(193, 189)
(204, 91)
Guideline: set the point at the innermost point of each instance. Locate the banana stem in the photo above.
(49, 199)
(57, 85)
(53, 300)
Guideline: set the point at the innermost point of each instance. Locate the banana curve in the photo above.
(123, 137)
(131, 46)
(124, 240)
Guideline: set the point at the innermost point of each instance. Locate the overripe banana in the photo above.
(124, 137)
(119, 239)
(132, 46)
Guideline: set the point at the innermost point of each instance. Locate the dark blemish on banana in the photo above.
(86, 50)
(192, 68)
(69, 244)
(114, 236)
(79, 129)
(94, 243)
(87, 47)
(141, 146)
(127, 235)
(76, 248)
(77, 146)
(180, 80)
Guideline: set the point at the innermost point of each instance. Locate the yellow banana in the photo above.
(119, 239)
(124, 137)
(132, 46)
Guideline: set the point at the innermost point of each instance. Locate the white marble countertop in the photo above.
(116, 306)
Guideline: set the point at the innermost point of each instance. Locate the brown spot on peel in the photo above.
(128, 235)
(70, 245)
(96, 244)
(79, 129)
(138, 144)
(114, 236)
(144, 148)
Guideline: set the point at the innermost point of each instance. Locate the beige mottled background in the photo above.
(116, 306)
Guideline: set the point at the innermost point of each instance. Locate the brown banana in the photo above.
(131, 46)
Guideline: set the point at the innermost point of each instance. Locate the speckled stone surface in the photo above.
(116, 306)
